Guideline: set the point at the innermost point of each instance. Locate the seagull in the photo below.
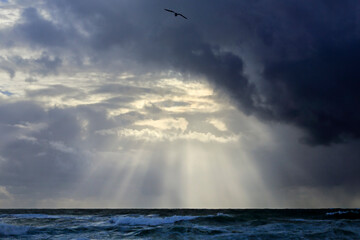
(175, 13)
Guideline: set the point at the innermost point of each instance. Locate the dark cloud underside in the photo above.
(307, 50)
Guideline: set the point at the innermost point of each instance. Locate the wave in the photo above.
(149, 220)
(152, 220)
(35, 215)
(44, 216)
(350, 214)
(11, 230)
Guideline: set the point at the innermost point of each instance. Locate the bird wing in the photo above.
(182, 16)
(169, 10)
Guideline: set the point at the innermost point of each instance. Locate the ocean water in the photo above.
(179, 224)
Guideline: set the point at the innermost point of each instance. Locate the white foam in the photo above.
(8, 229)
(149, 221)
(340, 212)
(221, 215)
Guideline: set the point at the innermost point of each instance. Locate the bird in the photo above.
(175, 13)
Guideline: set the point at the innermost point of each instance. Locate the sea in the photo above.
(82, 224)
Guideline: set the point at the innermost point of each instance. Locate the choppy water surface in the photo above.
(179, 224)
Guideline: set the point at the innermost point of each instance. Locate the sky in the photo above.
(120, 104)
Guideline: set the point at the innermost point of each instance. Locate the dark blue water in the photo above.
(179, 224)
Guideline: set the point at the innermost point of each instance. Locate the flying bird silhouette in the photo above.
(175, 13)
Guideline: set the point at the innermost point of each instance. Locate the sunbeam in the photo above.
(116, 104)
(241, 105)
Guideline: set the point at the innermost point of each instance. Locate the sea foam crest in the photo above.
(221, 215)
(8, 229)
(342, 212)
(149, 221)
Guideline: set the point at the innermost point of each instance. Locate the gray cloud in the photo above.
(52, 91)
(307, 52)
(39, 31)
(30, 80)
(43, 65)
(123, 89)
(283, 62)
(297, 172)
(9, 70)
(36, 156)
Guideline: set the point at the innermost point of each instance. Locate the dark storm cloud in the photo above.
(307, 52)
(321, 92)
(39, 31)
(313, 79)
(39, 154)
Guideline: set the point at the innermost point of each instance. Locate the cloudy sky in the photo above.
(117, 103)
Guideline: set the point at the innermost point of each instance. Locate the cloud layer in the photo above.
(95, 93)
(305, 53)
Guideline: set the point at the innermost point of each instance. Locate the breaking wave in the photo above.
(12, 230)
(344, 214)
